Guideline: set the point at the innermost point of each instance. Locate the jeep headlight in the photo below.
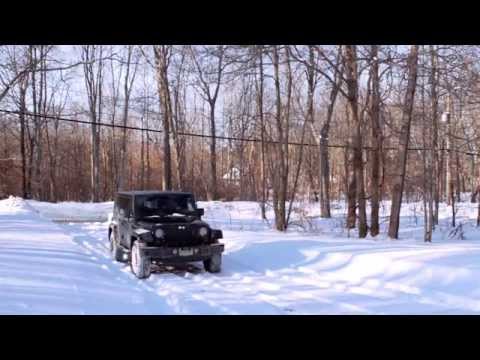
(203, 231)
(159, 233)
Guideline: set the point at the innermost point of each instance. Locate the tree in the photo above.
(259, 85)
(335, 79)
(162, 62)
(179, 118)
(127, 90)
(93, 76)
(210, 63)
(279, 167)
(356, 136)
(434, 116)
(428, 158)
(402, 155)
(376, 141)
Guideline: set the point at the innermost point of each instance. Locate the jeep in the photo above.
(151, 227)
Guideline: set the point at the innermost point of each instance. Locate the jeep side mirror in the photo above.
(200, 212)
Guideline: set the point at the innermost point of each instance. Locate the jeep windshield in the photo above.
(154, 206)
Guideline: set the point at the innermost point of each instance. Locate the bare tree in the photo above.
(259, 83)
(376, 141)
(399, 176)
(179, 118)
(428, 157)
(434, 116)
(92, 55)
(162, 62)
(279, 167)
(356, 136)
(127, 90)
(335, 80)
(210, 63)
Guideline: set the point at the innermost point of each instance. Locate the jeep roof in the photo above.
(152, 192)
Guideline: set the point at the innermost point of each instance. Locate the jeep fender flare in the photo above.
(111, 227)
(132, 239)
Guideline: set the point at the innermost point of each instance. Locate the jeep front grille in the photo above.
(178, 235)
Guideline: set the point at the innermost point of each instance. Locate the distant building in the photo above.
(232, 176)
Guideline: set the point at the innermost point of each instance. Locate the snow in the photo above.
(317, 267)
(73, 211)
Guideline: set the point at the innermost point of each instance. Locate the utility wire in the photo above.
(231, 138)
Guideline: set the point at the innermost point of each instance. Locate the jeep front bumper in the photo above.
(182, 254)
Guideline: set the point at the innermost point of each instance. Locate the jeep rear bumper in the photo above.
(182, 254)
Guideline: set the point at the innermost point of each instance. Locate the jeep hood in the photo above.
(153, 223)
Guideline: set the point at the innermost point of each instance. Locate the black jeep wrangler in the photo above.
(162, 227)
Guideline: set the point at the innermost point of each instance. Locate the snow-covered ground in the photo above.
(317, 267)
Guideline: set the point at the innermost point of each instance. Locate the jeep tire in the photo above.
(140, 265)
(214, 264)
(115, 249)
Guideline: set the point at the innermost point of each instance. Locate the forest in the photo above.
(272, 124)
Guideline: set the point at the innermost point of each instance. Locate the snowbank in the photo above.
(73, 211)
(16, 205)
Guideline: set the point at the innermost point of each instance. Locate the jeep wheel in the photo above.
(115, 250)
(214, 264)
(140, 265)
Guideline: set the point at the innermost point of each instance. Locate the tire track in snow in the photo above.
(242, 289)
(120, 273)
(187, 294)
(206, 280)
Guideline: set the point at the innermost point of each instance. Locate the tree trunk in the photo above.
(212, 188)
(127, 88)
(93, 83)
(324, 134)
(211, 97)
(352, 91)
(428, 165)
(161, 63)
(279, 179)
(179, 141)
(450, 168)
(350, 181)
(376, 143)
(263, 177)
(436, 162)
(401, 163)
(23, 89)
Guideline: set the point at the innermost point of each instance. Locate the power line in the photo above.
(220, 137)
(53, 117)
